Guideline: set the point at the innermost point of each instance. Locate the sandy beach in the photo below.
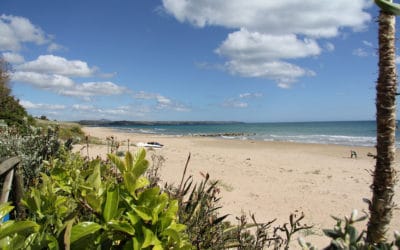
(269, 179)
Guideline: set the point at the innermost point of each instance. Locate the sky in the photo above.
(193, 60)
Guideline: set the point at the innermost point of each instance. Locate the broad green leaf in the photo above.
(172, 209)
(137, 244)
(118, 162)
(141, 164)
(143, 212)
(389, 6)
(158, 247)
(83, 229)
(150, 239)
(111, 206)
(130, 183)
(134, 218)
(128, 161)
(20, 227)
(149, 196)
(37, 200)
(177, 227)
(94, 202)
(161, 203)
(122, 226)
(171, 233)
(5, 209)
(52, 243)
(16, 242)
(94, 180)
(141, 182)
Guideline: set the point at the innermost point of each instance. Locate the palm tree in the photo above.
(384, 177)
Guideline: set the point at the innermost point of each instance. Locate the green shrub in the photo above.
(33, 148)
(90, 205)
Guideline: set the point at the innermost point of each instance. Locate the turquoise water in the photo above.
(354, 133)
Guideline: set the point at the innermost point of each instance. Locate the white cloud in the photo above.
(66, 86)
(282, 72)
(270, 33)
(360, 52)
(43, 81)
(145, 95)
(252, 54)
(31, 105)
(367, 43)
(232, 103)
(83, 107)
(57, 65)
(90, 89)
(329, 47)
(55, 47)
(238, 102)
(120, 112)
(250, 95)
(162, 102)
(255, 46)
(15, 30)
(308, 17)
(13, 58)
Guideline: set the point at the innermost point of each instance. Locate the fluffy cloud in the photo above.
(241, 101)
(41, 106)
(360, 52)
(13, 58)
(253, 54)
(83, 107)
(66, 86)
(329, 47)
(268, 32)
(55, 47)
(250, 95)
(43, 81)
(282, 72)
(120, 112)
(254, 46)
(162, 102)
(308, 17)
(57, 65)
(90, 89)
(231, 103)
(16, 30)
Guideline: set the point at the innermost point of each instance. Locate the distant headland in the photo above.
(151, 123)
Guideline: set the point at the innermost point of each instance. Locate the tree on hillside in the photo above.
(11, 111)
(384, 177)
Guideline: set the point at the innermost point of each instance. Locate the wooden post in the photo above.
(8, 166)
(7, 187)
(18, 187)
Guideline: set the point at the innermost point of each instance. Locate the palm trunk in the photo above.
(384, 177)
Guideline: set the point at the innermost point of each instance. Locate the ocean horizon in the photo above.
(348, 133)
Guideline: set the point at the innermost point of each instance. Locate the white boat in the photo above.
(149, 144)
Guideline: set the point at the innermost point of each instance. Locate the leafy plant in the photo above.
(33, 148)
(88, 204)
(345, 236)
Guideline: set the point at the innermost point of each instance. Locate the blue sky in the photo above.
(237, 60)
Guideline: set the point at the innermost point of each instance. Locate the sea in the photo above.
(350, 133)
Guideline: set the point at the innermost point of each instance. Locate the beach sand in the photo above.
(269, 179)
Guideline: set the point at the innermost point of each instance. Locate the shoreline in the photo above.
(270, 179)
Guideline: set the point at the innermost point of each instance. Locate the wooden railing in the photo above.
(13, 181)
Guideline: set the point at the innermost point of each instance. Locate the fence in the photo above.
(13, 181)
